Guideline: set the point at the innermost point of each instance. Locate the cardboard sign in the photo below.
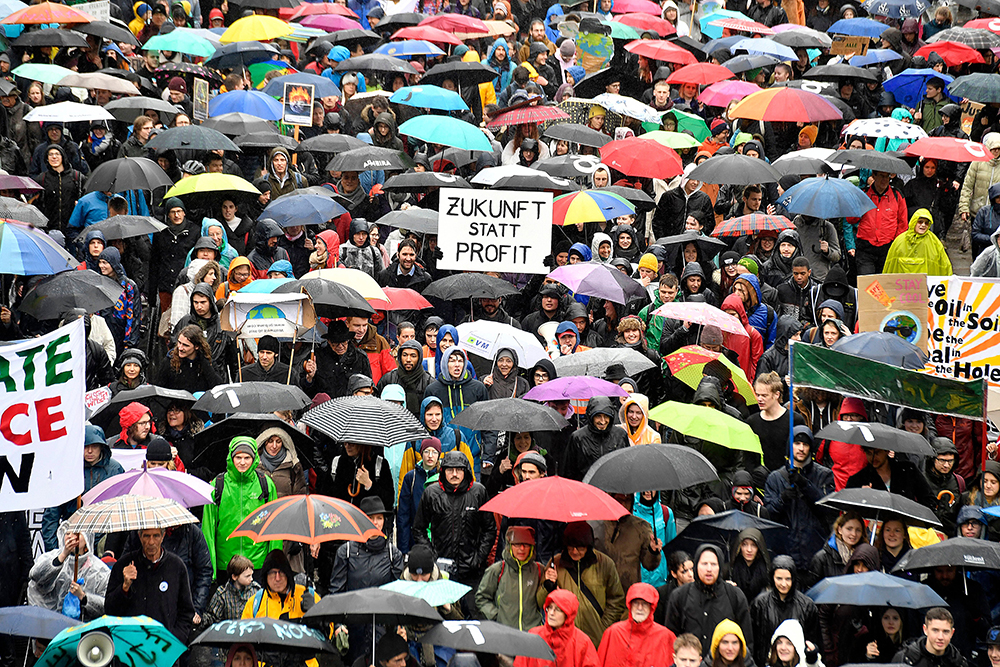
(42, 386)
(199, 103)
(964, 334)
(502, 231)
(297, 104)
(894, 303)
(846, 45)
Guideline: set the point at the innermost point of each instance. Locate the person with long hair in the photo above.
(789, 647)
(849, 531)
(750, 565)
(729, 647)
(188, 365)
(178, 427)
(680, 570)
(892, 542)
(883, 640)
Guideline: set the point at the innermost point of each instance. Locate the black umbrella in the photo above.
(265, 634)
(330, 299)
(541, 182)
(372, 605)
(375, 62)
(394, 22)
(576, 134)
(722, 529)
(735, 169)
(887, 348)
(370, 158)
(14, 209)
(240, 54)
(802, 166)
(268, 4)
(840, 71)
(979, 87)
(252, 397)
(876, 436)
(157, 399)
(124, 227)
(365, 420)
(170, 69)
(569, 166)
(594, 84)
(330, 143)
(880, 505)
(106, 30)
(456, 156)
(874, 160)
(52, 296)
(650, 468)
(596, 361)
(709, 246)
(413, 220)
(238, 123)
(352, 37)
(420, 181)
(818, 87)
(965, 552)
(126, 109)
(212, 444)
(634, 195)
(747, 62)
(255, 142)
(192, 137)
(51, 37)
(510, 414)
(487, 637)
(128, 173)
(462, 73)
(469, 286)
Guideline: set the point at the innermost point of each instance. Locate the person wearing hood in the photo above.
(239, 275)
(50, 579)
(282, 176)
(693, 283)
(789, 647)
(130, 370)
(383, 132)
(638, 641)
(280, 598)
(236, 494)
(279, 459)
(626, 242)
(266, 249)
(326, 251)
(601, 248)
(125, 317)
(357, 253)
(778, 268)
(782, 603)
(498, 59)
(817, 242)
(987, 263)
(749, 348)
(926, 188)
(205, 314)
(55, 135)
(508, 590)
(409, 374)
(93, 245)
(836, 288)
(170, 248)
(592, 441)
(946, 486)
(629, 542)
(62, 186)
(215, 232)
(986, 223)
(633, 418)
(726, 461)
(750, 565)
(550, 308)
(978, 180)
(918, 250)
(412, 485)
(683, 200)
(199, 271)
(504, 380)
(568, 338)
(795, 293)
(775, 358)
(457, 389)
(760, 315)
(579, 253)
(571, 645)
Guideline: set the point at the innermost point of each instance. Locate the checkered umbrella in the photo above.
(750, 224)
(530, 114)
(977, 38)
(129, 513)
(742, 25)
(310, 518)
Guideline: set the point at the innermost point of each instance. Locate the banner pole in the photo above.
(791, 407)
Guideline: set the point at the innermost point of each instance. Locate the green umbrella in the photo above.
(688, 121)
(434, 593)
(42, 72)
(622, 31)
(140, 639)
(676, 140)
(181, 42)
(446, 131)
(706, 423)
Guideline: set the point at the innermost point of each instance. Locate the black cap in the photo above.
(268, 343)
(158, 450)
(420, 560)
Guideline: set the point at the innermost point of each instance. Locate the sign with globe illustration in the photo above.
(256, 315)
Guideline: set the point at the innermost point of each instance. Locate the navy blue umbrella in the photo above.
(29, 621)
(896, 9)
(875, 589)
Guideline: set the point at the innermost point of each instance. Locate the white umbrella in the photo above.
(68, 112)
(484, 338)
(96, 80)
(890, 128)
(626, 106)
(491, 175)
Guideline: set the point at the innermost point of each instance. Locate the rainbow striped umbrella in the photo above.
(589, 206)
(26, 251)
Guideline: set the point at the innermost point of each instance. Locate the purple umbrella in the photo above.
(599, 280)
(580, 387)
(19, 183)
(186, 489)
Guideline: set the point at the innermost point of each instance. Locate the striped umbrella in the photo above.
(310, 518)
(785, 104)
(25, 251)
(753, 223)
(589, 206)
(530, 114)
(365, 420)
(129, 513)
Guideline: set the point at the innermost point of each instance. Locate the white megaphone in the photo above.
(96, 649)
(548, 332)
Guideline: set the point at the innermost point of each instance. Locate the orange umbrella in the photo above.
(47, 12)
(785, 104)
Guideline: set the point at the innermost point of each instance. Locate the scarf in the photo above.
(317, 260)
(271, 463)
(504, 387)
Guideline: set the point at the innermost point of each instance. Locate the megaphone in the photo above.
(96, 649)
(548, 332)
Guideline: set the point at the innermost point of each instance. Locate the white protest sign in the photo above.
(42, 387)
(100, 9)
(503, 231)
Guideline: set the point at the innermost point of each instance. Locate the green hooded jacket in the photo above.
(240, 496)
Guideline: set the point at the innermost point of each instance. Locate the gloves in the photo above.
(811, 655)
(307, 600)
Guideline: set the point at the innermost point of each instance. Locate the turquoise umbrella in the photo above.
(180, 42)
(264, 285)
(434, 593)
(134, 637)
(446, 131)
(715, 31)
(43, 72)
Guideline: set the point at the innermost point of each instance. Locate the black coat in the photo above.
(15, 554)
(170, 248)
(825, 563)
(196, 374)
(587, 444)
(332, 372)
(768, 611)
(697, 609)
(915, 653)
(187, 543)
(298, 254)
(365, 565)
(791, 500)
(391, 277)
(160, 591)
(673, 208)
(906, 481)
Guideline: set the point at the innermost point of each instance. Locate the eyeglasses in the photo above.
(144, 422)
(946, 462)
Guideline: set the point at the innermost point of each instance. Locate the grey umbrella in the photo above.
(876, 436)
(510, 414)
(252, 397)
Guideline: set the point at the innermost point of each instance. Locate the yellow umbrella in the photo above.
(203, 190)
(353, 278)
(688, 363)
(256, 28)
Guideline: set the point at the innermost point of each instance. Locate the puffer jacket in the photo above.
(458, 530)
(768, 611)
(587, 443)
(365, 565)
(568, 642)
(508, 589)
(975, 188)
(631, 644)
(790, 498)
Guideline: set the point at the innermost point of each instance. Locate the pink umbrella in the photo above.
(186, 489)
(578, 387)
(701, 313)
(635, 7)
(722, 93)
(330, 22)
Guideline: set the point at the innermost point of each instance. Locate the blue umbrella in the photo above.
(858, 28)
(429, 97)
(748, 62)
(824, 197)
(722, 43)
(138, 639)
(875, 589)
(252, 102)
(322, 86)
(29, 621)
(409, 47)
(715, 31)
(896, 9)
(875, 56)
(25, 251)
(764, 47)
(264, 285)
(910, 85)
(446, 131)
(295, 209)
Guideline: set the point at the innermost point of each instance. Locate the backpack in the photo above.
(336, 463)
(220, 481)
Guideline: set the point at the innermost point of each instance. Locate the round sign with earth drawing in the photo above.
(902, 324)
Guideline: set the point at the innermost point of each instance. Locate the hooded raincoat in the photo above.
(455, 396)
(631, 644)
(570, 644)
(644, 434)
(49, 580)
(913, 252)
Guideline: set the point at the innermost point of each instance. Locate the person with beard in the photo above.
(266, 251)
(782, 600)
(549, 309)
(491, 310)
(339, 359)
(268, 367)
(404, 271)
(778, 268)
(409, 374)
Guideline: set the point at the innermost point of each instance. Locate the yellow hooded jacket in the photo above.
(487, 94)
(728, 627)
(911, 252)
(644, 434)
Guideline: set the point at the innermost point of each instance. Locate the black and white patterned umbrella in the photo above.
(890, 128)
(977, 38)
(365, 420)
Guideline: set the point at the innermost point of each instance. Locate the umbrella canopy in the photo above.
(556, 499)
(330, 23)
(979, 87)
(649, 467)
(701, 313)
(364, 420)
(642, 158)
(47, 12)
(676, 140)
(21, 184)
(875, 589)
(255, 28)
(840, 71)
(330, 299)
(238, 123)
(429, 97)
(373, 605)
(50, 297)
(170, 69)
(322, 87)
(180, 42)
(462, 73)
(580, 388)
(469, 286)
(711, 425)
(489, 636)
(910, 86)
(262, 142)
(375, 62)
(647, 23)
(749, 61)
(785, 104)
(576, 134)
(420, 181)
(205, 190)
(876, 436)
(370, 157)
(212, 444)
(43, 72)
(626, 106)
(977, 38)
(869, 159)
(723, 530)
(302, 209)
(402, 298)
(241, 54)
(310, 518)
(735, 169)
(701, 74)
(156, 398)
(764, 47)
(949, 148)
(510, 414)
(528, 114)
(128, 173)
(126, 227)
(330, 143)
(252, 397)
(858, 27)
(427, 33)
(126, 109)
(129, 513)
(485, 338)
(51, 37)
(357, 280)
(25, 251)
(890, 128)
(252, 102)
(589, 206)
(186, 489)
(597, 361)
(688, 363)
(417, 220)
(895, 9)
(16, 210)
(875, 56)
(135, 638)
(598, 280)
(192, 137)
(31, 621)
(67, 112)
(953, 53)
(265, 634)
(446, 131)
(801, 165)
(883, 347)
(802, 37)
(880, 505)
(826, 197)
(434, 593)
(965, 552)
(742, 25)
(536, 181)
(457, 23)
(661, 50)
(722, 93)
(751, 224)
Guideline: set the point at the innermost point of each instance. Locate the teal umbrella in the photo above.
(181, 42)
(265, 285)
(622, 31)
(715, 31)
(43, 72)
(133, 636)
(434, 593)
(446, 131)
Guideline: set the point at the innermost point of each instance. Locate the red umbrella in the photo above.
(751, 224)
(311, 8)
(953, 53)
(457, 23)
(701, 74)
(528, 114)
(401, 298)
(662, 50)
(427, 33)
(556, 499)
(642, 157)
(647, 23)
(949, 148)
(635, 7)
(786, 104)
(991, 24)
(743, 25)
